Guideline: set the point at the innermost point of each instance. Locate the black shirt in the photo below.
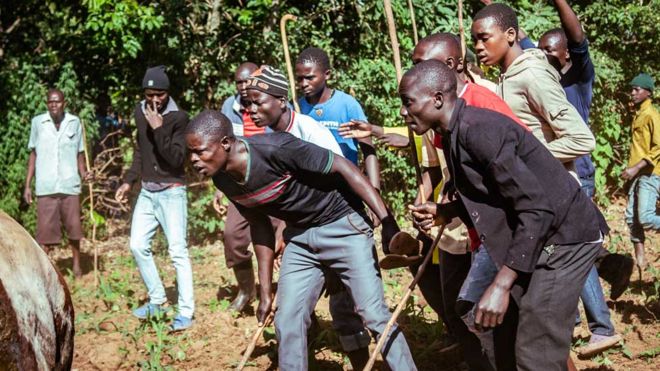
(289, 179)
(515, 193)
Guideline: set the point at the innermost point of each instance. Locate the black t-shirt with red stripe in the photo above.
(289, 179)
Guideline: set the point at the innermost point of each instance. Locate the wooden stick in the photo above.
(394, 41)
(255, 337)
(411, 8)
(402, 302)
(91, 207)
(461, 30)
(287, 57)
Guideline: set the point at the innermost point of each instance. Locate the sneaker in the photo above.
(599, 343)
(181, 323)
(149, 310)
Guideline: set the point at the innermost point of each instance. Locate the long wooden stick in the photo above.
(91, 207)
(394, 41)
(287, 57)
(384, 335)
(256, 336)
(411, 8)
(461, 30)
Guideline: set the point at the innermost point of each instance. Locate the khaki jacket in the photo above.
(531, 87)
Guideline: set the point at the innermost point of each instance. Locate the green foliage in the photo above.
(94, 47)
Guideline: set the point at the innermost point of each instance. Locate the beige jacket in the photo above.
(531, 87)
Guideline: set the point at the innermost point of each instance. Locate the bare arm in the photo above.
(82, 167)
(569, 22)
(27, 192)
(371, 164)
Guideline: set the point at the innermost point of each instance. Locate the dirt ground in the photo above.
(109, 338)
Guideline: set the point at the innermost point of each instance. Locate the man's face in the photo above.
(311, 78)
(491, 43)
(206, 157)
(55, 102)
(418, 106)
(264, 109)
(555, 50)
(240, 79)
(156, 98)
(639, 95)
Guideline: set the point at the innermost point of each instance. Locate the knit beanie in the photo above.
(156, 78)
(269, 80)
(644, 81)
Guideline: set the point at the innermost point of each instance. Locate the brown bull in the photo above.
(36, 313)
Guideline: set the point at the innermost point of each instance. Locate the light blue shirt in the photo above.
(56, 168)
(339, 109)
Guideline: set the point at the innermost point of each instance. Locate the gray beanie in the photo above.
(156, 78)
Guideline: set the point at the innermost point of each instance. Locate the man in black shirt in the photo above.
(158, 161)
(319, 195)
(539, 229)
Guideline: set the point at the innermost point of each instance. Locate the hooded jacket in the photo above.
(530, 86)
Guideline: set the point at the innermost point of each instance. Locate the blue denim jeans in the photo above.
(167, 208)
(345, 246)
(588, 185)
(595, 307)
(640, 213)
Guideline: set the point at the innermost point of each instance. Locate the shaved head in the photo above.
(211, 126)
(440, 46)
(245, 70)
(432, 76)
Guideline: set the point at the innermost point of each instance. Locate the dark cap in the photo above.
(156, 78)
(644, 81)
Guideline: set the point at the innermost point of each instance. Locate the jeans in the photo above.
(345, 246)
(640, 213)
(598, 314)
(167, 208)
(588, 185)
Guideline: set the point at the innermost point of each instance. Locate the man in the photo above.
(56, 155)
(332, 107)
(159, 161)
(236, 238)
(319, 195)
(643, 167)
(525, 207)
(266, 104)
(567, 50)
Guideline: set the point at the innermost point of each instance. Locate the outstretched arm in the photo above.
(359, 184)
(569, 22)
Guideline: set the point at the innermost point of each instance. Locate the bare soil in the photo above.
(108, 337)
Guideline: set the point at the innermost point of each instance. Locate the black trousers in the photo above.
(537, 336)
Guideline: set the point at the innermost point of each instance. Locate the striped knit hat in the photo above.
(269, 80)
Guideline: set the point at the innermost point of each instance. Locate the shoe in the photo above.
(247, 289)
(149, 310)
(181, 323)
(599, 343)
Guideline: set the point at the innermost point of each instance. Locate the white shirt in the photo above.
(306, 128)
(56, 168)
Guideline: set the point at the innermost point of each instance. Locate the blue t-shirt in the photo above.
(578, 84)
(339, 109)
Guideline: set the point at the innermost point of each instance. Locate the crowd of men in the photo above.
(523, 238)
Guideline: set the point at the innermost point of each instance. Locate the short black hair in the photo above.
(434, 75)
(450, 41)
(505, 17)
(557, 32)
(314, 55)
(54, 91)
(211, 126)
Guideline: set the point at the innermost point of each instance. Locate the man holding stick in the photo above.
(526, 209)
(319, 195)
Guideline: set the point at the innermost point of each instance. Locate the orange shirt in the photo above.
(249, 128)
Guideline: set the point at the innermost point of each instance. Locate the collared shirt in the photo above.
(56, 168)
(646, 138)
